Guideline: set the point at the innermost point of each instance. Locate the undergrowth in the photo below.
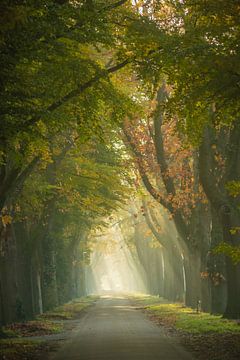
(187, 319)
(206, 336)
(17, 344)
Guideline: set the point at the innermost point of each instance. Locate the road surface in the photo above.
(114, 330)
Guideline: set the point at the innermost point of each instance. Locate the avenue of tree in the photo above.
(119, 111)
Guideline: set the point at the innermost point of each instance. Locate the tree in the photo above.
(169, 172)
(195, 45)
(53, 79)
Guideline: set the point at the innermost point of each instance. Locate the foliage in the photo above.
(56, 61)
(196, 46)
(190, 321)
(71, 310)
(206, 336)
(146, 300)
(178, 157)
(45, 324)
(86, 186)
(52, 52)
(35, 328)
(73, 73)
(231, 251)
(233, 188)
(17, 349)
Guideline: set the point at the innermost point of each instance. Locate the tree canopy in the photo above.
(105, 103)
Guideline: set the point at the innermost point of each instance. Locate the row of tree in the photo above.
(98, 97)
(61, 164)
(186, 146)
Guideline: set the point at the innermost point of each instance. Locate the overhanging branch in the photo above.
(76, 92)
(145, 179)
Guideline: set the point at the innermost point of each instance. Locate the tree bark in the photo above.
(224, 206)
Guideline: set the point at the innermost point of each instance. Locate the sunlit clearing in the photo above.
(113, 268)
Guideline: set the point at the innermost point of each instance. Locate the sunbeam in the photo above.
(116, 270)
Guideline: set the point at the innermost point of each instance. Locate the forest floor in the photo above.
(206, 336)
(35, 339)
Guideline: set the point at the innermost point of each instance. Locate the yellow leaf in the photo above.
(6, 220)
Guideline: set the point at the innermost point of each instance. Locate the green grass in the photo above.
(188, 320)
(9, 333)
(145, 300)
(18, 348)
(50, 322)
(35, 327)
(71, 310)
(207, 336)
(5, 343)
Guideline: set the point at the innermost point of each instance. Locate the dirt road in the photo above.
(115, 330)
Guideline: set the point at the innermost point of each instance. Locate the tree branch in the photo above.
(206, 173)
(145, 179)
(115, 5)
(151, 226)
(161, 159)
(7, 185)
(158, 141)
(233, 153)
(19, 182)
(76, 92)
(15, 180)
(79, 25)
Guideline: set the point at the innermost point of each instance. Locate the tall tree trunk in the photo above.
(226, 208)
(193, 282)
(10, 304)
(216, 269)
(49, 280)
(232, 311)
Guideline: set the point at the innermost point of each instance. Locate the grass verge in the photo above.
(188, 320)
(69, 311)
(17, 343)
(19, 349)
(206, 336)
(37, 327)
(144, 300)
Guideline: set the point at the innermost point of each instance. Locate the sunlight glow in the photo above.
(115, 271)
